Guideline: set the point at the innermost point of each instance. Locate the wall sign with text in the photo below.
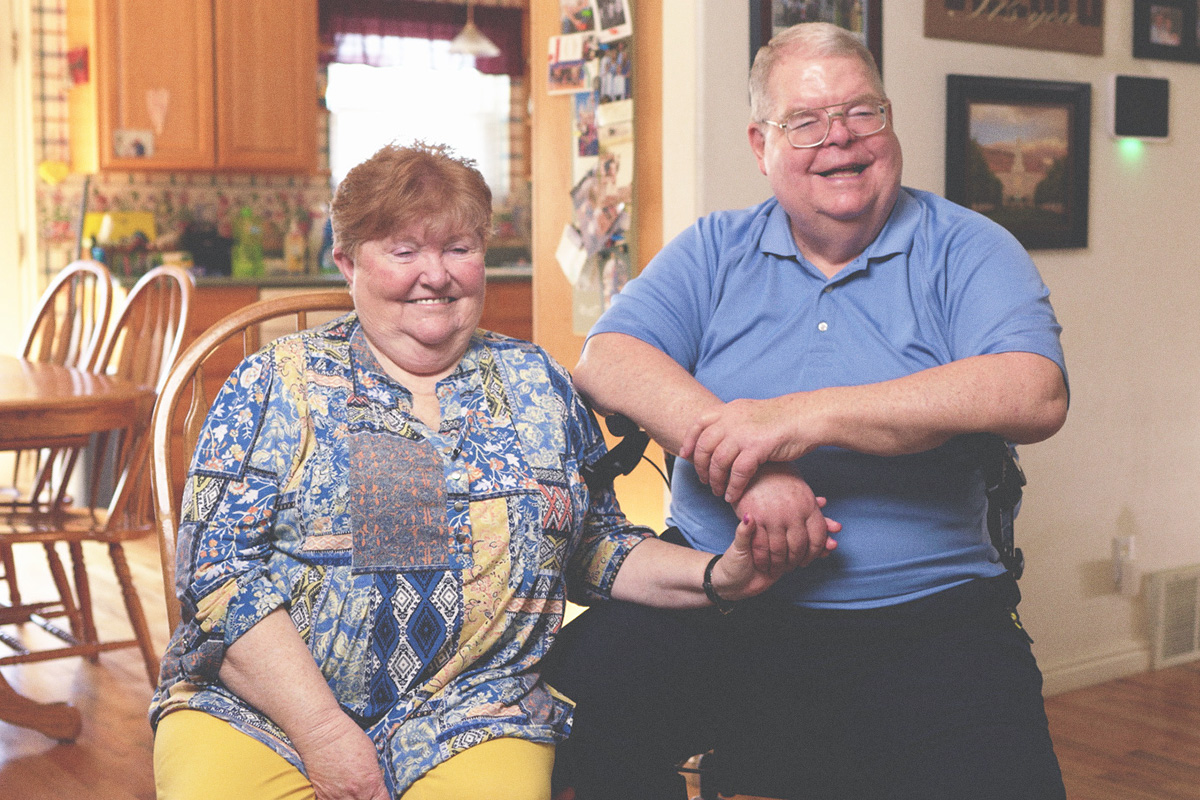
(1073, 26)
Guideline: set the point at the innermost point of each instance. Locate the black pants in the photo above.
(937, 699)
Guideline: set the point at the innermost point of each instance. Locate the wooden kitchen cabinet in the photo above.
(508, 308)
(204, 85)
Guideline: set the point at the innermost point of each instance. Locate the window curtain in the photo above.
(349, 26)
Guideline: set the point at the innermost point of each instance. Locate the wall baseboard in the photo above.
(1080, 674)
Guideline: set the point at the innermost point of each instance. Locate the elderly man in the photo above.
(830, 354)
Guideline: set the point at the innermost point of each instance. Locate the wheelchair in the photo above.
(1003, 480)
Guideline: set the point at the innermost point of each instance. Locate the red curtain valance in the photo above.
(422, 20)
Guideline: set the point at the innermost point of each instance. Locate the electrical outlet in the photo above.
(1126, 576)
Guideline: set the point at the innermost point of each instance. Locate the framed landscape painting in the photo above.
(1017, 151)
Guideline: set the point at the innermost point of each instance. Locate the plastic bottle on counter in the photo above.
(295, 249)
(246, 258)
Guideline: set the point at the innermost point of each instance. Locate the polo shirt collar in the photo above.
(896, 236)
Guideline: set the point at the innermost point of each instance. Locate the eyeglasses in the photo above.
(809, 127)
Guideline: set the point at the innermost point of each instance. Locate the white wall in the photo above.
(1128, 459)
(16, 189)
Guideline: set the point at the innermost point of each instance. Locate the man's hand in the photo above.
(728, 444)
(790, 529)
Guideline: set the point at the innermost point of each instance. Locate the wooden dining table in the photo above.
(47, 405)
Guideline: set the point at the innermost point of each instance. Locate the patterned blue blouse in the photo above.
(426, 570)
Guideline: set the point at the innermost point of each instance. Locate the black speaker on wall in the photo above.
(1140, 107)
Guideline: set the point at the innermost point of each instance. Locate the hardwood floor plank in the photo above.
(1135, 738)
(111, 759)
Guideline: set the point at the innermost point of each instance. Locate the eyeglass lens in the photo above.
(809, 128)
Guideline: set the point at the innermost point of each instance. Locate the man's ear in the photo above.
(758, 144)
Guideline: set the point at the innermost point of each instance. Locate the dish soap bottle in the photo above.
(247, 256)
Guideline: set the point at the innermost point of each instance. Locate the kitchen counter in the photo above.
(496, 274)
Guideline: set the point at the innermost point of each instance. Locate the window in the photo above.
(432, 94)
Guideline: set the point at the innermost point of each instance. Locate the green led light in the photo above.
(1131, 149)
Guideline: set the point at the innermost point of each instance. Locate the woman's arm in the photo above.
(271, 668)
(658, 573)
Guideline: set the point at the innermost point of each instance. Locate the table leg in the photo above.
(56, 720)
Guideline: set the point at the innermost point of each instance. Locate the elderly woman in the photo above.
(382, 520)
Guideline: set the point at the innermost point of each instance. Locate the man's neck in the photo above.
(835, 243)
(831, 253)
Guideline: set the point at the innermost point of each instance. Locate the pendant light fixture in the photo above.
(471, 41)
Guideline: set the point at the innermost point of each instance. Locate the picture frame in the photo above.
(1018, 151)
(1073, 26)
(864, 17)
(1166, 30)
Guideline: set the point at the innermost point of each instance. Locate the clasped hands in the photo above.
(741, 450)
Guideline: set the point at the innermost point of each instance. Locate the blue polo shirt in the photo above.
(733, 301)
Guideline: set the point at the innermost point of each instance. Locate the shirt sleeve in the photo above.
(249, 444)
(668, 304)
(995, 298)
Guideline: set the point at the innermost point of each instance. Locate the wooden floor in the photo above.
(1137, 738)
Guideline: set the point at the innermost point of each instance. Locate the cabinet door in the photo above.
(266, 79)
(154, 84)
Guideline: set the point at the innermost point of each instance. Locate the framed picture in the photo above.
(864, 17)
(1017, 151)
(1166, 29)
(1072, 26)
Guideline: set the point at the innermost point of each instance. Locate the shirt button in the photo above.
(827, 289)
(823, 326)
(459, 505)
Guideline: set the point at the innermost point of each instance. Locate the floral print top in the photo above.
(426, 570)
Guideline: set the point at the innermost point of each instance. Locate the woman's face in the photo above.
(419, 295)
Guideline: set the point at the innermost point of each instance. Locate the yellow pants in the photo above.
(198, 757)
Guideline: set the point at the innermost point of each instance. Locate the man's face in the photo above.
(844, 187)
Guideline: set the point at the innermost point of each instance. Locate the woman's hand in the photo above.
(743, 571)
(271, 668)
(791, 527)
(341, 761)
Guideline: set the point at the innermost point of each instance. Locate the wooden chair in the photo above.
(190, 389)
(140, 349)
(66, 328)
(72, 316)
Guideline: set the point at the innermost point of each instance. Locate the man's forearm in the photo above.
(620, 373)
(1020, 396)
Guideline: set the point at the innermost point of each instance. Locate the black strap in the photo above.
(621, 459)
(1003, 480)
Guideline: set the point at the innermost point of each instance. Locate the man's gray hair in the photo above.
(816, 39)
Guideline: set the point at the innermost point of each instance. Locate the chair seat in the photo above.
(68, 525)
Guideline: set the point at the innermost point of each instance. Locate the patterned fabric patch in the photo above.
(397, 504)
(557, 514)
